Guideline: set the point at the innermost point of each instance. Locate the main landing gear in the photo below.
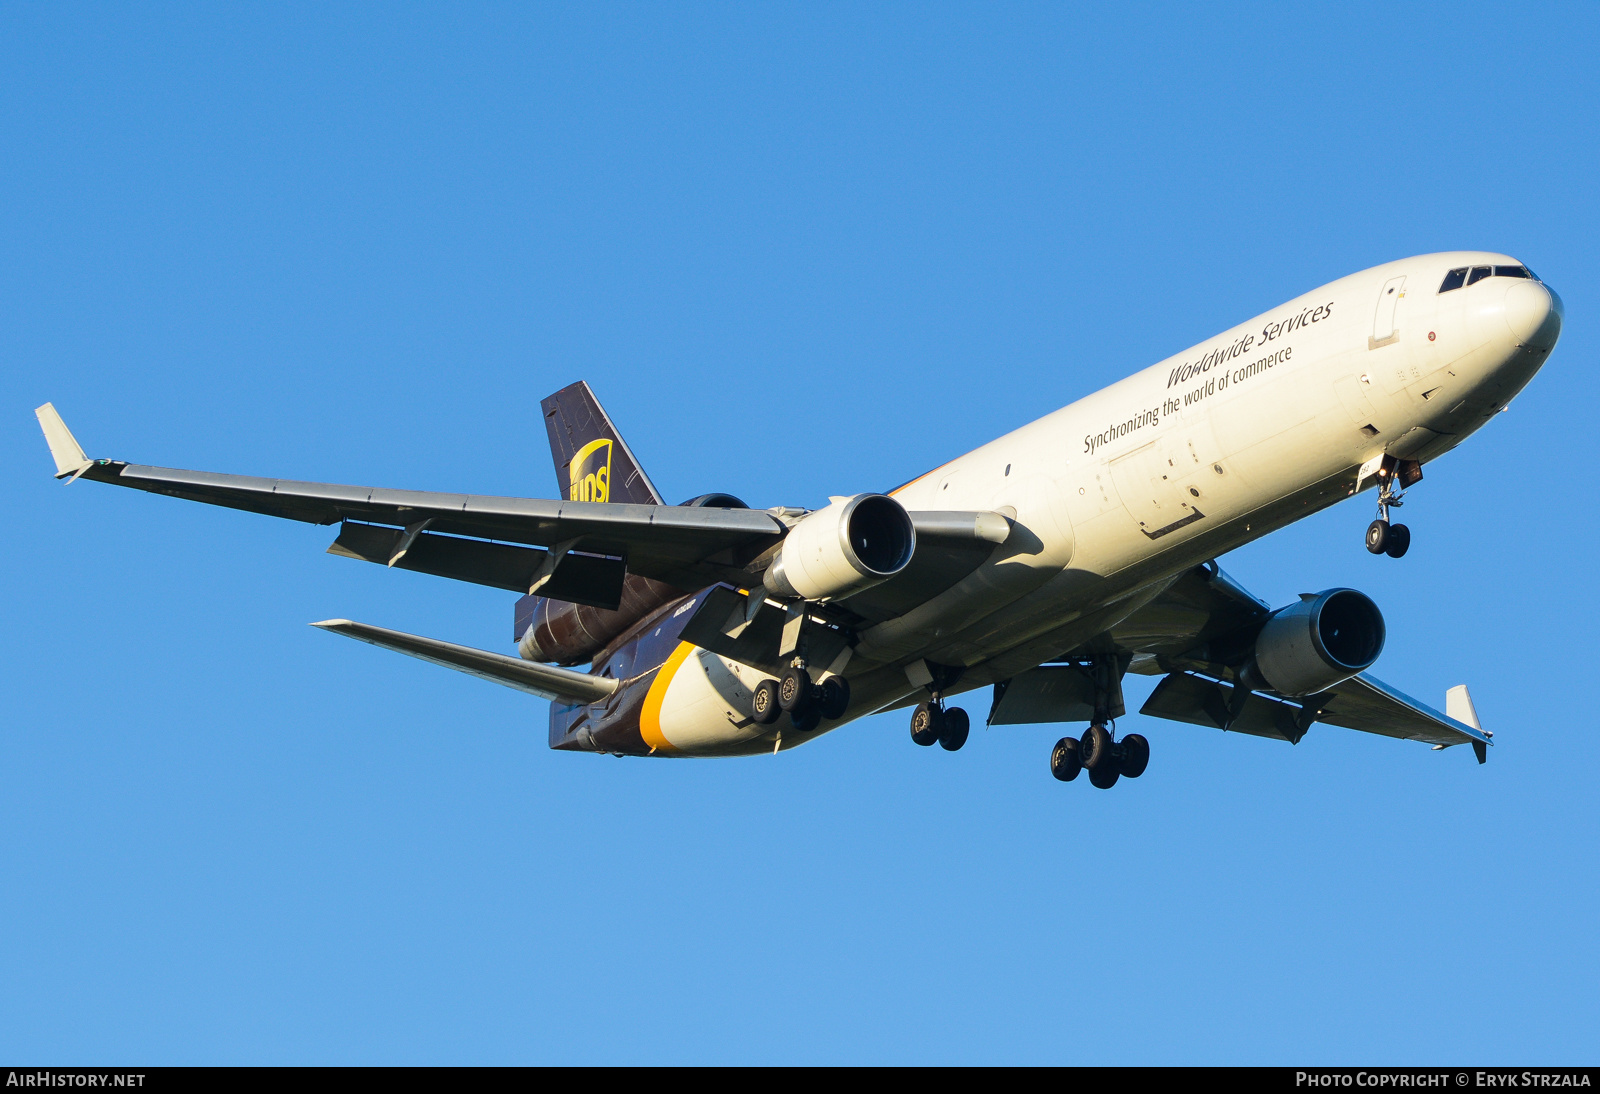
(1384, 538)
(1105, 758)
(804, 702)
(932, 721)
(1102, 755)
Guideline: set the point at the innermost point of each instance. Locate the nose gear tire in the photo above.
(1399, 541)
(1378, 536)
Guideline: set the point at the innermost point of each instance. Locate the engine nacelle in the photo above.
(850, 545)
(1310, 646)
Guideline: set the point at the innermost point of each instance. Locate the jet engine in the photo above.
(850, 545)
(1326, 638)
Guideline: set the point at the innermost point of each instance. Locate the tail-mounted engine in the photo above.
(1326, 638)
(850, 545)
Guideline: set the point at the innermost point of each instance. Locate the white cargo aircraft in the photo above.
(1046, 564)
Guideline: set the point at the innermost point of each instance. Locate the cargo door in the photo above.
(1147, 479)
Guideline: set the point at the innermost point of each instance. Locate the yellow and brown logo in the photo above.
(591, 472)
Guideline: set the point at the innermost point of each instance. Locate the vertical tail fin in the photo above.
(593, 462)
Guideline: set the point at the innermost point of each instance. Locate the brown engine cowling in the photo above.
(571, 634)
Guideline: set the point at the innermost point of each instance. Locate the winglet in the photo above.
(1458, 705)
(68, 454)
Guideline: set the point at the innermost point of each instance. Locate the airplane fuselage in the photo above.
(1113, 496)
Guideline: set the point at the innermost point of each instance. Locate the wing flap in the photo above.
(545, 681)
(1049, 693)
(579, 578)
(1202, 701)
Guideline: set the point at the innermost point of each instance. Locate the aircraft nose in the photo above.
(1533, 312)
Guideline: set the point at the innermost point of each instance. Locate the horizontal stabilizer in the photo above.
(545, 681)
(64, 447)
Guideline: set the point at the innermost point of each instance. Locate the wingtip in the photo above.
(64, 447)
(329, 624)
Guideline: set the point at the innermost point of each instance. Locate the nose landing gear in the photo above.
(1394, 476)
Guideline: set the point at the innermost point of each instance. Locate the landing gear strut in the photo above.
(1384, 538)
(1099, 752)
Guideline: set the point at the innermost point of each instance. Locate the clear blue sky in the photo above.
(798, 251)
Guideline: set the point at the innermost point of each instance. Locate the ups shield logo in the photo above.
(591, 472)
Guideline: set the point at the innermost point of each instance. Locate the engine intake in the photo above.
(1326, 638)
(852, 544)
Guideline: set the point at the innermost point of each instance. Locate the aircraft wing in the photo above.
(1202, 621)
(591, 544)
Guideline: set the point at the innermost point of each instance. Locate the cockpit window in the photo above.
(1458, 277)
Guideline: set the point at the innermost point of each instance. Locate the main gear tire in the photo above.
(794, 690)
(956, 727)
(806, 720)
(1064, 761)
(1378, 536)
(1135, 755)
(833, 697)
(764, 709)
(926, 722)
(1095, 747)
(1104, 774)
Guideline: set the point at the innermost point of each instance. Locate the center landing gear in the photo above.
(1384, 538)
(931, 722)
(1102, 755)
(1105, 758)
